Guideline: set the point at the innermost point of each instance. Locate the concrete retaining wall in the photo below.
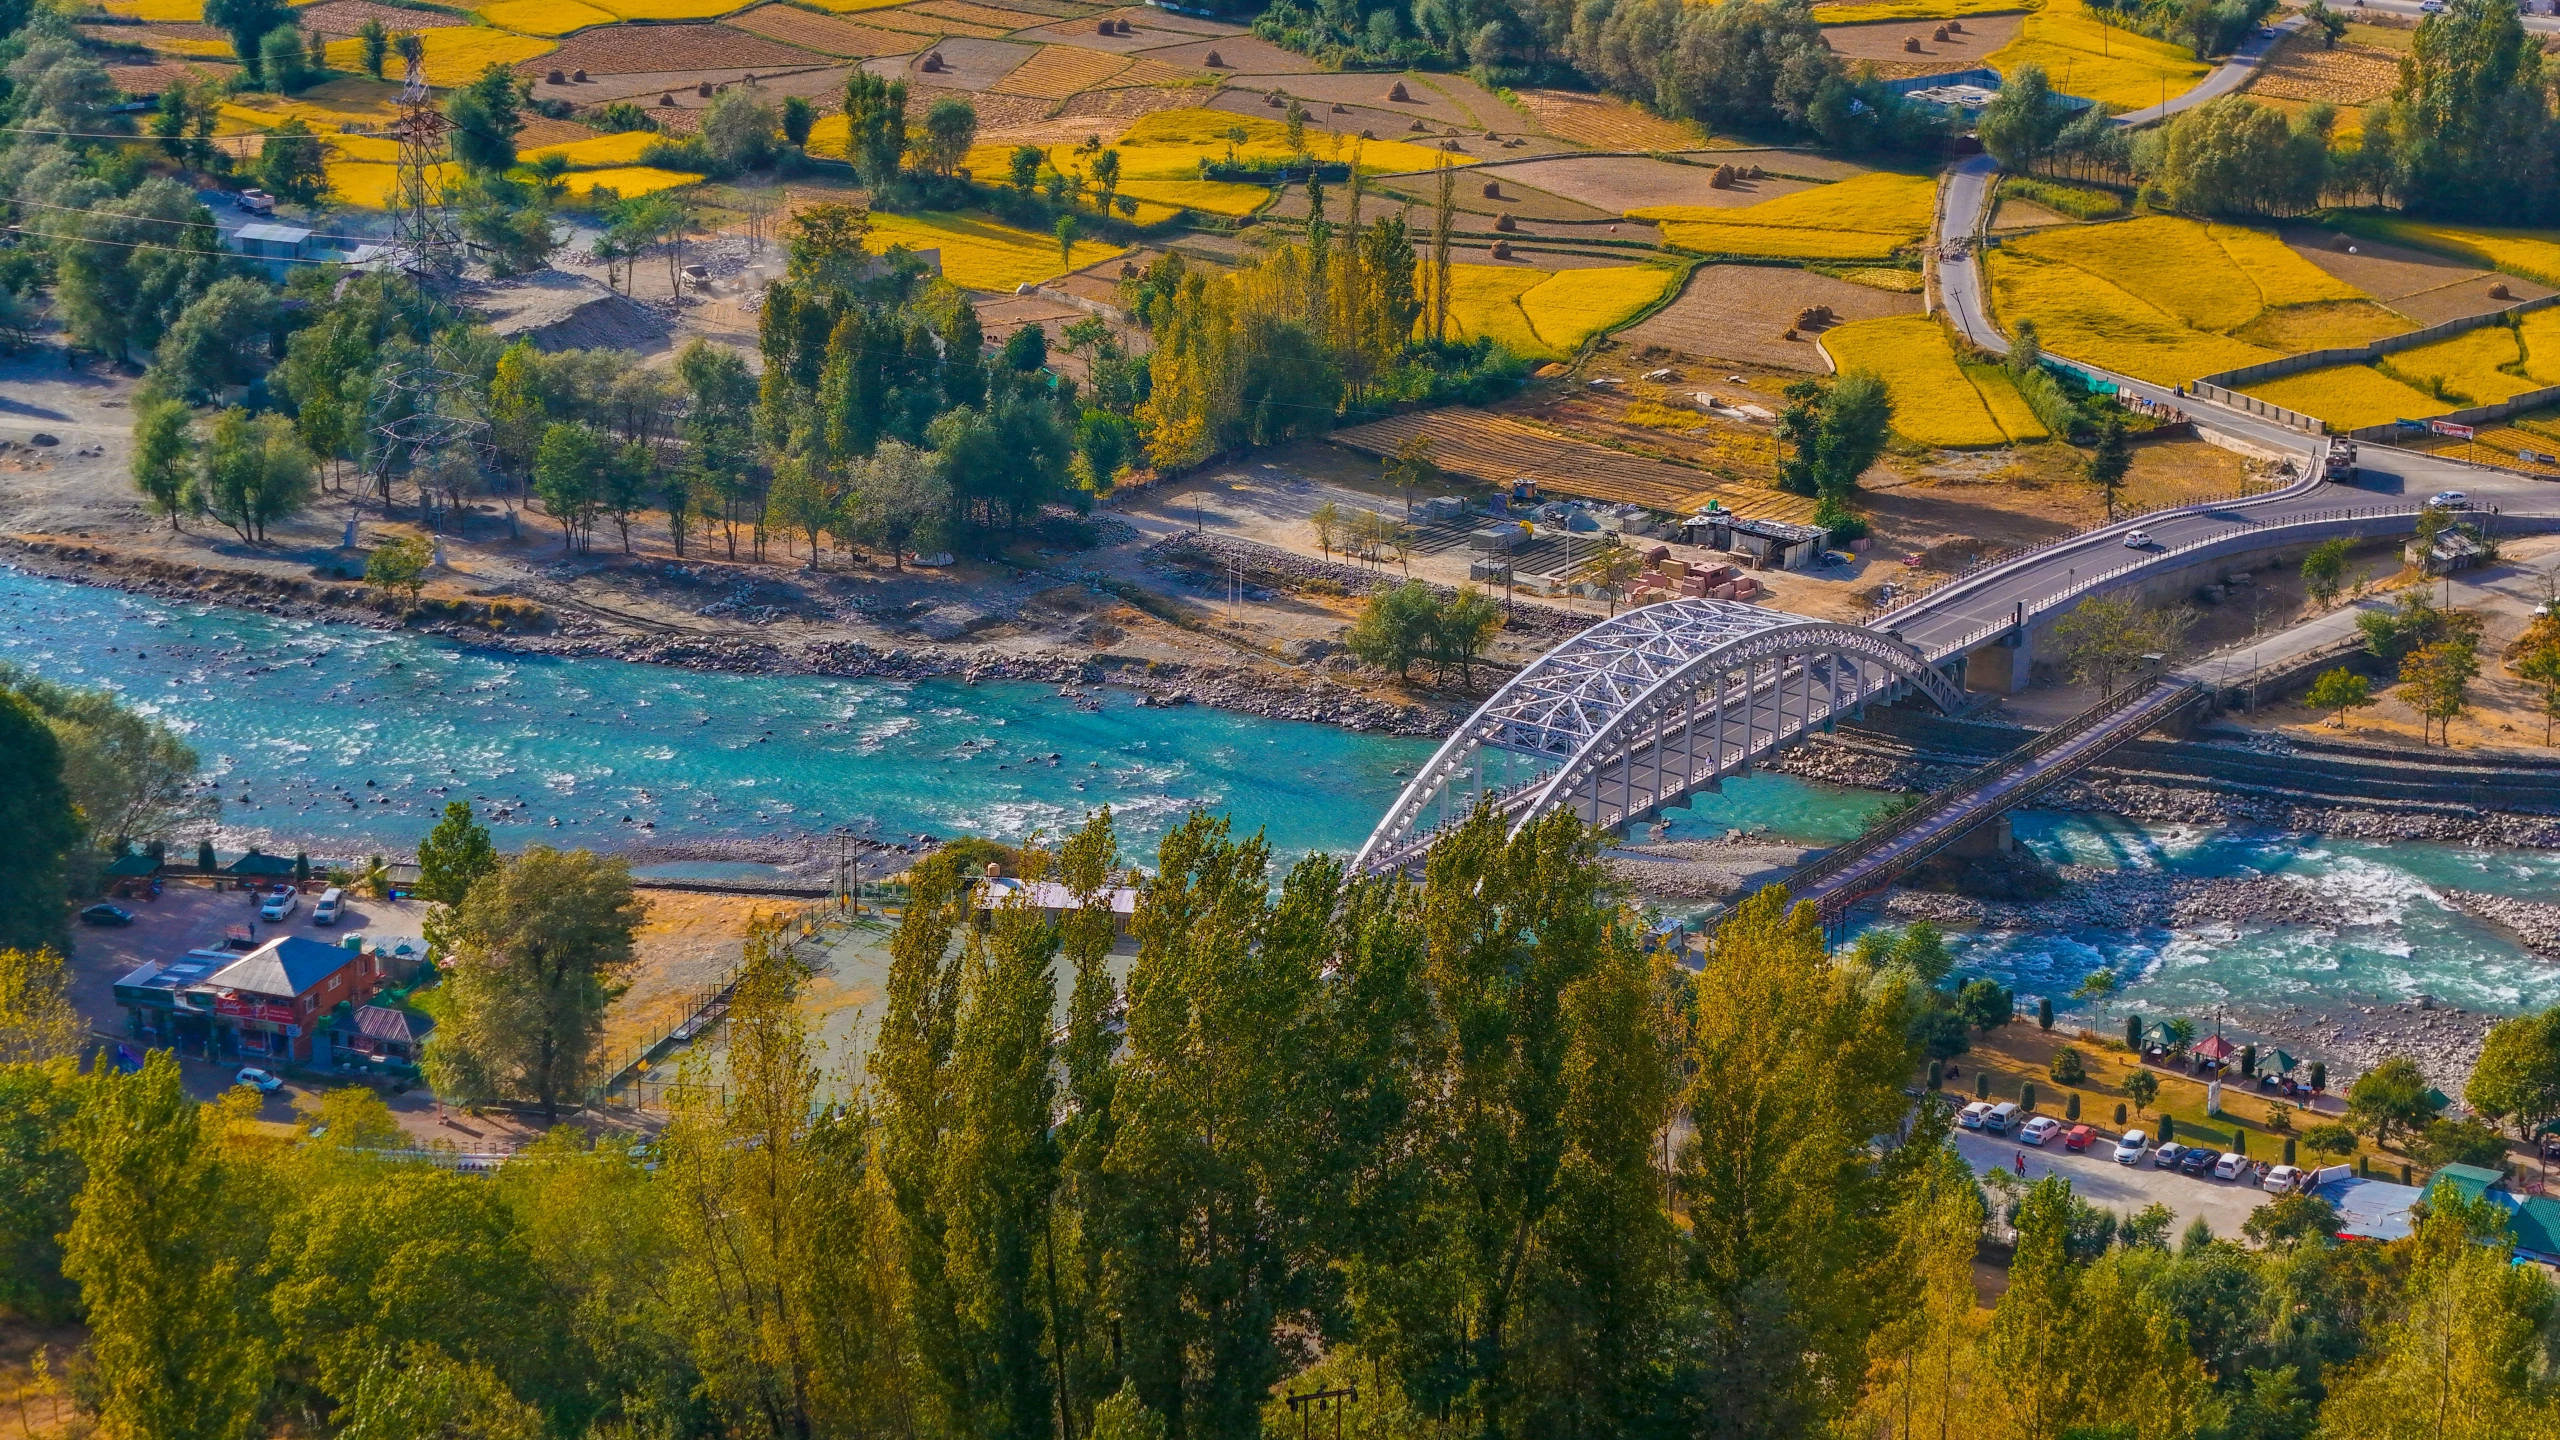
(2225, 386)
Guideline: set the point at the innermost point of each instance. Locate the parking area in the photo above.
(2224, 1204)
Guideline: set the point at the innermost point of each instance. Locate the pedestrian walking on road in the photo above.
(2022, 1162)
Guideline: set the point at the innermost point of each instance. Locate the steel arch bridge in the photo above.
(1646, 709)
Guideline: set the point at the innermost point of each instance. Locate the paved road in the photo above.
(2230, 75)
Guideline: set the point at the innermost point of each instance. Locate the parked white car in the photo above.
(282, 903)
(1972, 1116)
(2039, 1130)
(2129, 1149)
(2282, 1180)
(2166, 1157)
(2230, 1165)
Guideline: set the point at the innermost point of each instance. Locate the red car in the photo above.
(2076, 1138)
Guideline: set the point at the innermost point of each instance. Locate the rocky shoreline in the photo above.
(1316, 699)
(2534, 924)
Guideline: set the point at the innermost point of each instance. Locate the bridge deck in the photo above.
(1867, 864)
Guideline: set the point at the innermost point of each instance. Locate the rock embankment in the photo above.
(2105, 898)
(1703, 870)
(2534, 924)
(2353, 1038)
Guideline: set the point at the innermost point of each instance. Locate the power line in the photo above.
(189, 224)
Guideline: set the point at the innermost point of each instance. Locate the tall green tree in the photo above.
(487, 114)
(455, 856)
(254, 472)
(161, 468)
(875, 112)
(129, 775)
(539, 949)
(37, 815)
(165, 1243)
(247, 22)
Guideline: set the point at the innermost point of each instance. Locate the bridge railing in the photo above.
(2150, 559)
(1848, 858)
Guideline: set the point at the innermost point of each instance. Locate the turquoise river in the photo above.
(346, 740)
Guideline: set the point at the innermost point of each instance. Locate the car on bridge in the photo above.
(2137, 539)
(2449, 500)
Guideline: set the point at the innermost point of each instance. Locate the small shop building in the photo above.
(269, 1002)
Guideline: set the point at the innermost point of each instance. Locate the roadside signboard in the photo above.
(2447, 427)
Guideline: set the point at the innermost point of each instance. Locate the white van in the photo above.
(2003, 1116)
(332, 900)
(1972, 1116)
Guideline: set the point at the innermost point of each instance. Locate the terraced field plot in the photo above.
(998, 20)
(673, 9)
(2099, 62)
(1498, 450)
(2477, 367)
(453, 56)
(1549, 314)
(1867, 218)
(1843, 12)
(2534, 254)
(825, 34)
(625, 148)
(2157, 298)
(2350, 75)
(1058, 71)
(1960, 50)
(347, 17)
(375, 186)
(984, 254)
(1740, 312)
(545, 17)
(1618, 184)
(627, 180)
(651, 49)
(1604, 123)
(1936, 401)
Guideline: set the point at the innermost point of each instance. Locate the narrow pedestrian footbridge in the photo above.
(1646, 709)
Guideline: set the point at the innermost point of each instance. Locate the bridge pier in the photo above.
(2001, 667)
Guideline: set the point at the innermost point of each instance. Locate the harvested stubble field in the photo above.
(927, 26)
(639, 49)
(1549, 314)
(1663, 422)
(1883, 41)
(825, 34)
(1867, 218)
(1617, 184)
(1498, 450)
(1003, 22)
(2099, 62)
(1058, 71)
(2158, 298)
(1739, 312)
(1242, 54)
(1520, 201)
(1604, 123)
(1085, 33)
(969, 62)
(347, 17)
(2533, 254)
(673, 9)
(2350, 75)
(454, 56)
(1935, 400)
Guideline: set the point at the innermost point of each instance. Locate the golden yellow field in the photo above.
(1915, 10)
(2349, 397)
(849, 7)
(2000, 396)
(456, 54)
(984, 254)
(2467, 365)
(2157, 298)
(625, 148)
(1935, 402)
(2533, 254)
(167, 12)
(2099, 62)
(543, 17)
(674, 9)
(2327, 325)
(367, 149)
(1170, 144)
(2539, 333)
(1485, 300)
(1864, 218)
(1548, 315)
(1210, 197)
(372, 185)
(626, 180)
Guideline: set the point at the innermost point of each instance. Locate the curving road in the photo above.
(1955, 615)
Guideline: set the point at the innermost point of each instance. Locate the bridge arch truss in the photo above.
(1646, 709)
